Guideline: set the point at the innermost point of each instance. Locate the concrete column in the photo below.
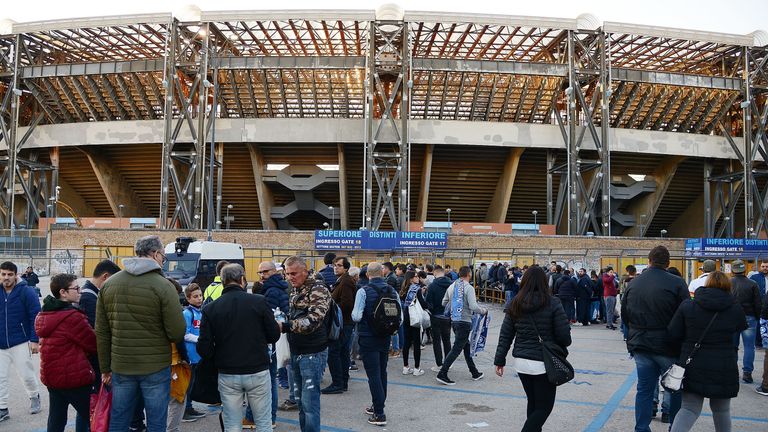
(343, 201)
(262, 191)
(497, 212)
(115, 187)
(649, 203)
(426, 175)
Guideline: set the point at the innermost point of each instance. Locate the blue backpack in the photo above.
(335, 321)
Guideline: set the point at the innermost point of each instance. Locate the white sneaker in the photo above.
(418, 372)
(435, 368)
(407, 370)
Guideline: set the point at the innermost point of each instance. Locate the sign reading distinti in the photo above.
(379, 240)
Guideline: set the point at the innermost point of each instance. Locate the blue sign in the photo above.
(725, 247)
(379, 240)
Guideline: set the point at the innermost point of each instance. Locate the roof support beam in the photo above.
(263, 194)
(426, 175)
(649, 204)
(497, 212)
(343, 201)
(117, 190)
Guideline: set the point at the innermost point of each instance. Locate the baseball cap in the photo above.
(708, 266)
(738, 267)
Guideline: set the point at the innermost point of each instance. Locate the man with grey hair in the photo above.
(138, 316)
(308, 339)
(235, 332)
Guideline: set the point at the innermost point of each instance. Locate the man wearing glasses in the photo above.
(18, 340)
(276, 293)
(138, 316)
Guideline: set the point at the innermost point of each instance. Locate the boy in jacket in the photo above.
(18, 340)
(67, 341)
(192, 317)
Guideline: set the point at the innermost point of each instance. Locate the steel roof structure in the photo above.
(409, 108)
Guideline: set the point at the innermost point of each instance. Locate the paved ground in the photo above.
(600, 398)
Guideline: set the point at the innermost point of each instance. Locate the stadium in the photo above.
(354, 119)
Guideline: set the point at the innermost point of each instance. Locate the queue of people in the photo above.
(127, 329)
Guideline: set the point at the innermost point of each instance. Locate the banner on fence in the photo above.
(379, 240)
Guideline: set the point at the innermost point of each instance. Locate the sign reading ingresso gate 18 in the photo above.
(726, 247)
(379, 240)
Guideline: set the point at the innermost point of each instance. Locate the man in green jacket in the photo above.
(138, 316)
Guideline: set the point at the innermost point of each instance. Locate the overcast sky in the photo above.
(733, 16)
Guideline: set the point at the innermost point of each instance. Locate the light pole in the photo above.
(326, 226)
(534, 216)
(120, 215)
(449, 214)
(333, 217)
(642, 221)
(663, 233)
(227, 218)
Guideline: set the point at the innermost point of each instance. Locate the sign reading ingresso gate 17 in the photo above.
(379, 240)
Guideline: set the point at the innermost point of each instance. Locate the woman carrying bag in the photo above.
(534, 316)
(713, 371)
(411, 291)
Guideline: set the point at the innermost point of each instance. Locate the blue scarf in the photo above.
(457, 302)
(479, 333)
(412, 290)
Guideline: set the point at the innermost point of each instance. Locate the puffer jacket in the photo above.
(17, 315)
(66, 341)
(138, 316)
(552, 325)
(714, 371)
(276, 292)
(747, 294)
(435, 294)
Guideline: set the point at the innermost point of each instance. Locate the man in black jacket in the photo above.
(583, 297)
(747, 294)
(648, 306)
(441, 324)
(565, 289)
(235, 332)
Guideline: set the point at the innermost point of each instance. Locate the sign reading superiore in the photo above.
(380, 240)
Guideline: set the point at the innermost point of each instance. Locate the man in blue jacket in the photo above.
(18, 340)
(329, 277)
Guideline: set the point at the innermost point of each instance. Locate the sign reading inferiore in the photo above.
(379, 240)
(725, 247)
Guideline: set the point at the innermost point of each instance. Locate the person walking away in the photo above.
(192, 318)
(339, 350)
(763, 387)
(307, 338)
(583, 297)
(760, 277)
(649, 304)
(707, 267)
(66, 343)
(567, 290)
(410, 292)
(747, 294)
(235, 333)
(609, 294)
(710, 322)
(631, 274)
(17, 325)
(461, 298)
(377, 316)
(32, 280)
(138, 316)
(441, 324)
(533, 312)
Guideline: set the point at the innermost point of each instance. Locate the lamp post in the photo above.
(534, 216)
(449, 214)
(642, 221)
(227, 218)
(333, 217)
(120, 215)
(663, 233)
(326, 226)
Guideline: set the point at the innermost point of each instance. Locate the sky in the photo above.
(734, 16)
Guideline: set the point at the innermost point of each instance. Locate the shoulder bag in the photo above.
(559, 370)
(672, 379)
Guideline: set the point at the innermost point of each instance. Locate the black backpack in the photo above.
(335, 321)
(386, 315)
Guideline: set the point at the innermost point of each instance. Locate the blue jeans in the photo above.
(154, 389)
(748, 337)
(256, 388)
(649, 368)
(594, 310)
(273, 384)
(291, 382)
(307, 375)
(373, 350)
(664, 402)
(507, 298)
(398, 340)
(338, 357)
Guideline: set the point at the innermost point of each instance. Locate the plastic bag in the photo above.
(415, 313)
(282, 351)
(101, 405)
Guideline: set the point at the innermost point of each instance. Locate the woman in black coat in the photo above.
(533, 304)
(713, 372)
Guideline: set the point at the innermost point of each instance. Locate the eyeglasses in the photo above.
(163, 254)
(339, 265)
(76, 288)
(265, 271)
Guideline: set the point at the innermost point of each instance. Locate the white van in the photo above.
(191, 260)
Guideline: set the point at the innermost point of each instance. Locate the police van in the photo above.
(191, 260)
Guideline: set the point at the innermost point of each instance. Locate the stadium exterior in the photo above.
(610, 128)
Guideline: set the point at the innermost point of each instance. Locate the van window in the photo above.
(181, 266)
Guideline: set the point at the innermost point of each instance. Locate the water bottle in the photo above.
(279, 316)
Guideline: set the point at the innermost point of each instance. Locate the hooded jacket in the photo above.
(713, 372)
(138, 316)
(435, 294)
(747, 294)
(276, 292)
(17, 315)
(552, 325)
(66, 341)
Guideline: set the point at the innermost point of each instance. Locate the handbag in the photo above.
(101, 406)
(672, 379)
(205, 389)
(559, 370)
(181, 374)
(415, 313)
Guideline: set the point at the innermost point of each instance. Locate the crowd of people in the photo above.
(157, 345)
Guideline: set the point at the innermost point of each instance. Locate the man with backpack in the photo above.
(378, 314)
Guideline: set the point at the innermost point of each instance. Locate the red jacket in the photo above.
(66, 340)
(609, 285)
